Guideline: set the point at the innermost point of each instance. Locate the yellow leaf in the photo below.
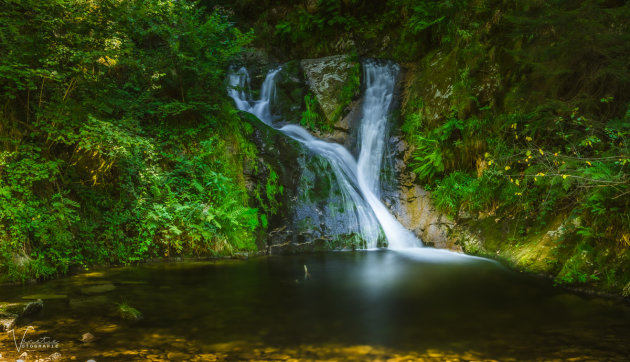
(564, 176)
(528, 138)
(517, 183)
(541, 151)
(507, 168)
(589, 163)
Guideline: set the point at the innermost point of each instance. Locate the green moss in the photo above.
(127, 312)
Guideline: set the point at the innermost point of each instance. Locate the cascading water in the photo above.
(358, 180)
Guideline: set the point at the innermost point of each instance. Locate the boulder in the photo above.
(326, 78)
(32, 308)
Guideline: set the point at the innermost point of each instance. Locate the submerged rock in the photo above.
(91, 302)
(87, 337)
(98, 289)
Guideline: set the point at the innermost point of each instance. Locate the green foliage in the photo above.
(445, 147)
(527, 130)
(330, 18)
(310, 118)
(459, 191)
(114, 144)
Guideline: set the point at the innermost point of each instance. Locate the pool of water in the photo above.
(364, 305)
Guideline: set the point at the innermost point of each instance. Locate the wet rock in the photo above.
(290, 91)
(413, 206)
(342, 129)
(11, 313)
(33, 308)
(7, 321)
(326, 78)
(416, 212)
(309, 245)
(278, 153)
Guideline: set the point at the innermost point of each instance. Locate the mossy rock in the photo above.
(290, 91)
(129, 313)
(327, 77)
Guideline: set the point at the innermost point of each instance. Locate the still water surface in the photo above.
(364, 305)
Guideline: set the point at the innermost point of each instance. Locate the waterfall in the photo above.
(358, 180)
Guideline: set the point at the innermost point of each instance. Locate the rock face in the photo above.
(289, 93)
(32, 308)
(412, 205)
(326, 78)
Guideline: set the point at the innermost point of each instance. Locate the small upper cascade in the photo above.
(358, 180)
(239, 82)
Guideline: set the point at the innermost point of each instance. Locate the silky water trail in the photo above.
(358, 179)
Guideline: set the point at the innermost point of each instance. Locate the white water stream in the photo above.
(358, 180)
